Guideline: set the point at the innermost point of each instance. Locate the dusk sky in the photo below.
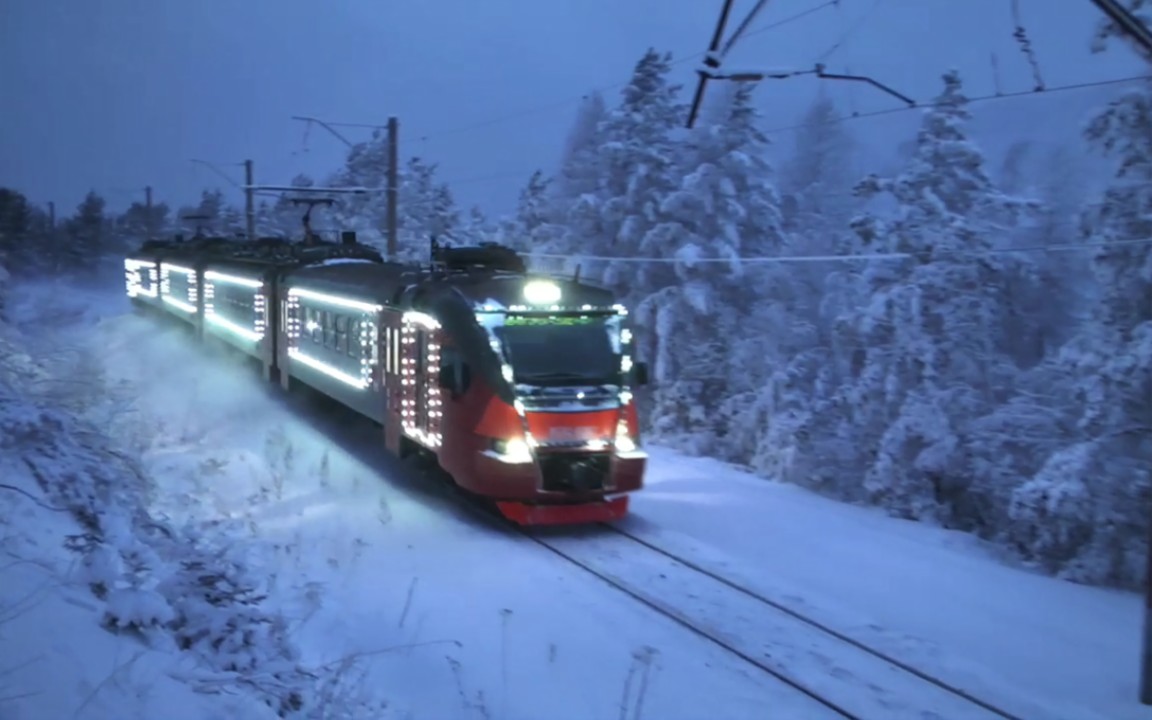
(118, 94)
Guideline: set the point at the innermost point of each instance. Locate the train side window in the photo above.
(315, 330)
(341, 334)
(355, 327)
(421, 352)
(329, 329)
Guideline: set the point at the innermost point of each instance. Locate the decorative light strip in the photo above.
(368, 355)
(429, 391)
(369, 335)
(334, 300)
(166, 270)
(418, 318)
(292, 320)
(259, 305)
(179, 304)
(134, 279)
(332, 372)
(240, 330)
(233, 279)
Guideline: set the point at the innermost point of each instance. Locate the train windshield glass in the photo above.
(554, 351)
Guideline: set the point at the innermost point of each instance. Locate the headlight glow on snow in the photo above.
(542, 292)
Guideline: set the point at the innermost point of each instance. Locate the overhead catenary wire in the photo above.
(848, 117)
(850, 31)
(215, 167)
(498, 120)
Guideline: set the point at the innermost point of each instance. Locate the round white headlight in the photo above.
(541, 292)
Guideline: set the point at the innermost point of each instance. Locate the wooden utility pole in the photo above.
(249, 201)
(51, 215)
(393, 186)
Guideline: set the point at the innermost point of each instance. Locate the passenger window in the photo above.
(421, 351)
(353, 330)
(341, 324)
(329, 329)
(314, 322)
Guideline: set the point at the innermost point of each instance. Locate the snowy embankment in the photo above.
(389, 590)
(98, 595)
(386, 589)
(937, 599)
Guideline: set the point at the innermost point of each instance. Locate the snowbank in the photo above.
(146, 615)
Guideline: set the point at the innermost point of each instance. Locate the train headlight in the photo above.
(542, 292)
(625, 443)
(514, 451)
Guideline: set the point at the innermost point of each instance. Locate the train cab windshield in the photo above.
(555, 351)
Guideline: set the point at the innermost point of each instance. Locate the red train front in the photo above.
(521, 386)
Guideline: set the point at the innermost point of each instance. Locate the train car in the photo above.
(518, 385)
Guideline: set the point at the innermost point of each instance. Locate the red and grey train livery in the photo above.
(519, 385)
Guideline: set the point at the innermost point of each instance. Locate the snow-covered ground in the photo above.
(396, 595)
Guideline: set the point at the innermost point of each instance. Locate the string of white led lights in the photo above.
(864, 257)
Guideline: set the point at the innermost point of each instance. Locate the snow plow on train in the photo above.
(519, 386)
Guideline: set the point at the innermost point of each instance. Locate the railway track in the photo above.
(846, 676)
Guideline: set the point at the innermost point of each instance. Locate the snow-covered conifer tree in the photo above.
(698, 323)
(138, 222)
(818, 177)
(640, 167)
(426, 208)
(579, 173)
(925, 354)
(1084, 513)
(87, 230)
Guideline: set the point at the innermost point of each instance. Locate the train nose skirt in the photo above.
(565, 472)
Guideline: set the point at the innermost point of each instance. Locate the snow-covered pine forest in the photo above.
(978, 354)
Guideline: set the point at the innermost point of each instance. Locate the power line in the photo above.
(877, 113)
(867, 257)
(852, 30)
(971, 100)
(214, 167)
(606, 88)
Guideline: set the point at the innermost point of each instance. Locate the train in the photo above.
(519, 386)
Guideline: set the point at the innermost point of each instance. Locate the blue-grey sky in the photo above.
(118, 94)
